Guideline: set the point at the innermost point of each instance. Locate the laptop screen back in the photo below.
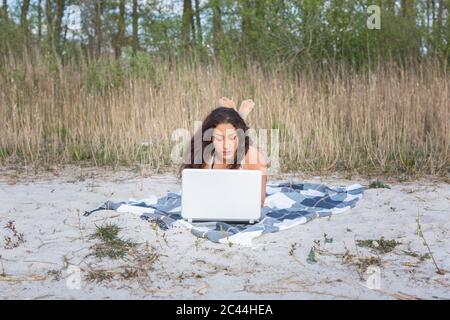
(221, 195)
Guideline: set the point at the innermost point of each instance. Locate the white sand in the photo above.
(48, 209)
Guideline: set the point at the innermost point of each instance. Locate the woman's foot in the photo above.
(228, 103)
(246, 107)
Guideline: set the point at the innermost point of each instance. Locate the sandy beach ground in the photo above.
(46, 245)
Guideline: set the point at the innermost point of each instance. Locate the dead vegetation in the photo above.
(15, 239)
(361, 263)
(139, 262)
(138, 268)
(342, 121)
(357, 260)
(425, 243)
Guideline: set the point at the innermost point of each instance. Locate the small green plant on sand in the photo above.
(311, 256)
(293, 249)
(381, 245)
(110, 246)
(198, 243)
(326, 239)
(378, 184)
(421, 257)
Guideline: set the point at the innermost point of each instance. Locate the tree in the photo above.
(187, 25)
(217, 31)
(438, 28)
(198, 24)
(294, 32)
(5, 9)
(60, 8)
(39, 19)
(49, 22)
(246, 23)
(120, 37)
(447, 7)
(98, 27)
(411, 46)
(24, 13)
(135, 26)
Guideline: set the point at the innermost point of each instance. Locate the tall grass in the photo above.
(392, 119)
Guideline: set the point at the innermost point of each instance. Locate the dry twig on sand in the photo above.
(420, 233)
(5, 277)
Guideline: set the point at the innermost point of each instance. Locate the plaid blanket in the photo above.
(286, 205)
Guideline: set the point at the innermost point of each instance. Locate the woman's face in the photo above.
(225, 140)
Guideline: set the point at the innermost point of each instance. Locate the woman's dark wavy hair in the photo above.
(220, 115)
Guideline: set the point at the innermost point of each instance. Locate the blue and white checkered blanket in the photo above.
(286, 205)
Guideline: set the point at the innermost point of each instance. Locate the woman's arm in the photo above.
(256, 161)
(263, 191)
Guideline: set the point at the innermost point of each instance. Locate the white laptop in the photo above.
(221, 195)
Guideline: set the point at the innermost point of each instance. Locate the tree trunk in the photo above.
(49, 18)
(98, 27)
(447, 6)
(217, 26)
(440, 15)
(187, 24)
(391, 6)
(60, 7)
(198, 24)
(433, 10)
(64, 37)
(439, 28)
(246, 21)
(409, 13)
(5, 9)
(135, 19)
(280, 7)
(24, 13)
(120, 30)
(408, 10)
(259, 9)
(39, 19)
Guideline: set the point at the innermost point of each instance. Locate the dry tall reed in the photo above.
(392, 119)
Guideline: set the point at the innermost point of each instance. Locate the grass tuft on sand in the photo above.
(381, 245)
(111, 246)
